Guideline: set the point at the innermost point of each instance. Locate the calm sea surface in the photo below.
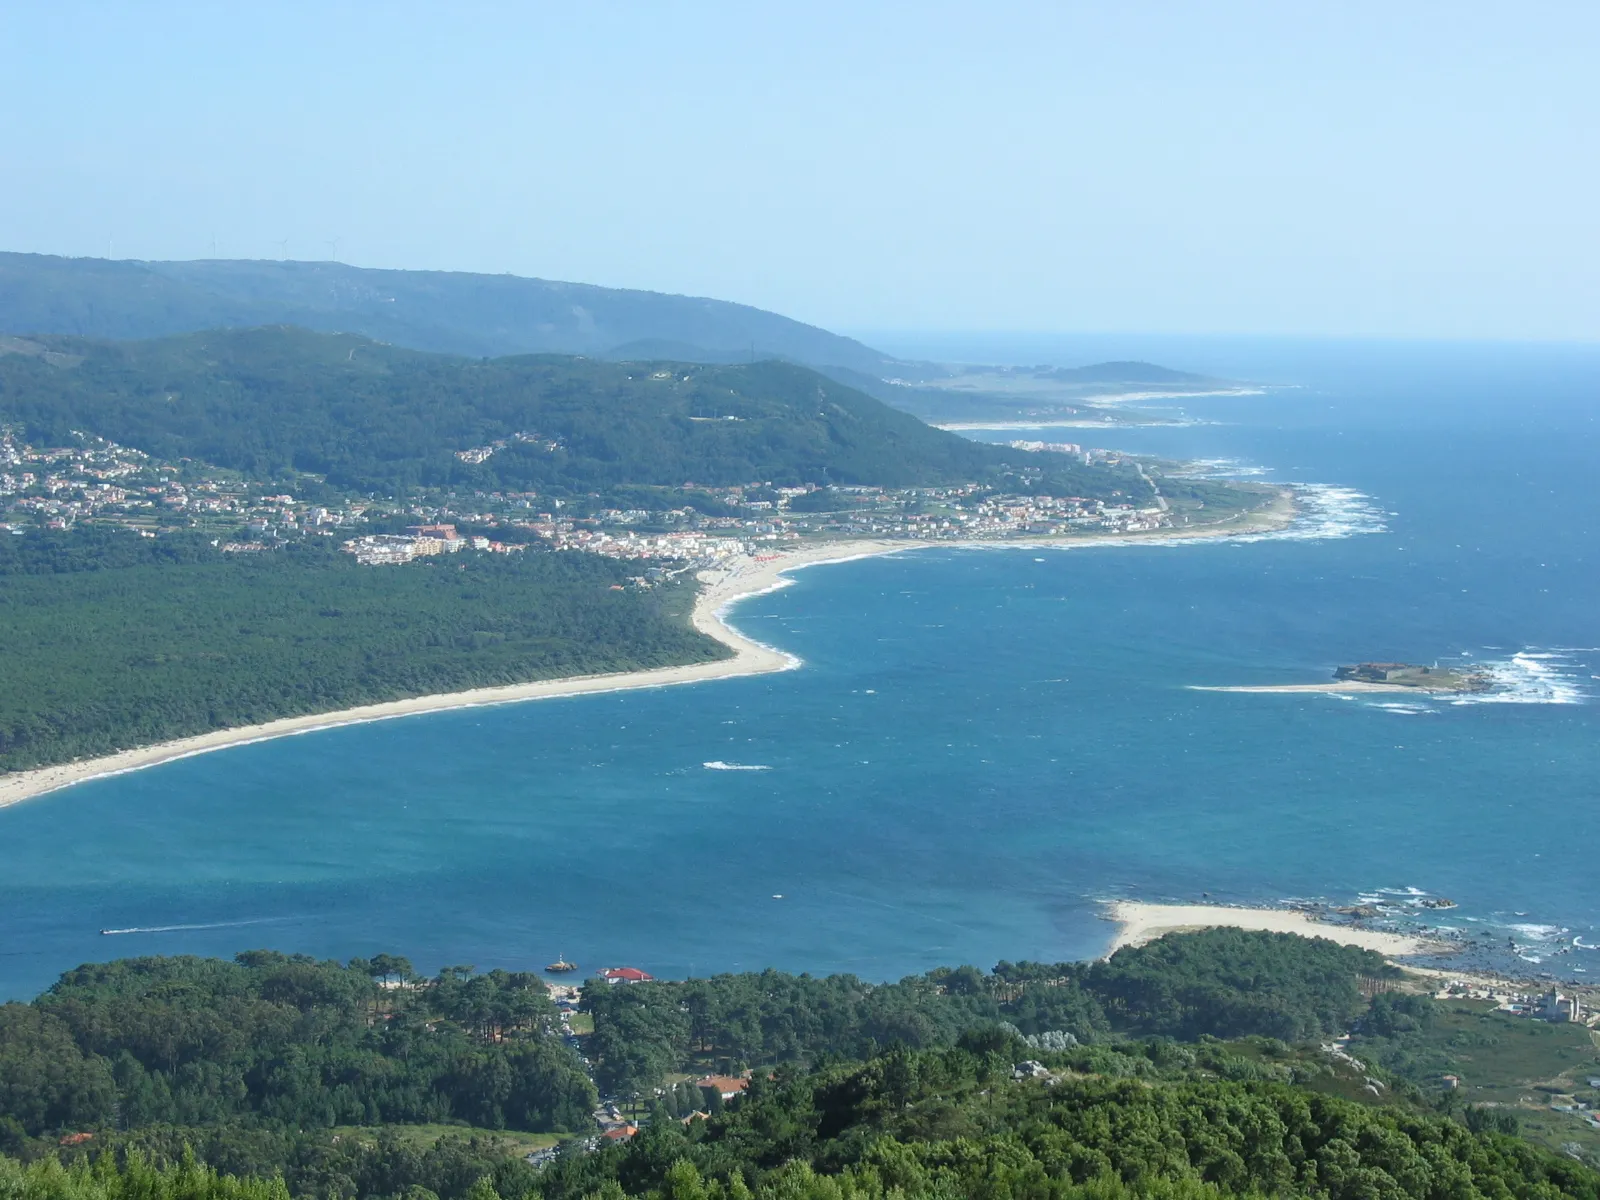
(981, 744)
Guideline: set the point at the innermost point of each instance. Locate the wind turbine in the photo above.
(333, 247)
(283, 246)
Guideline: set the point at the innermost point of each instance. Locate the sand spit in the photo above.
(1138, 923)
(1334, 687)
(721, 588)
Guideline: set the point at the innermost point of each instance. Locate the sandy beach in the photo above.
(1140, 923)
(721, 588)
(748, 577)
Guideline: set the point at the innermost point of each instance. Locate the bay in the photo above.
(981, 745)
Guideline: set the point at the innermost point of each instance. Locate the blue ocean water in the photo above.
(981, 744)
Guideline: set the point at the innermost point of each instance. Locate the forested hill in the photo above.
(276, 1077)
(373, 417)
(452, 312)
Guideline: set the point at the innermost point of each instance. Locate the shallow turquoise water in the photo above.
(979, 747)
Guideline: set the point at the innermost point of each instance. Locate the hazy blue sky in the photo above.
(1391, 168)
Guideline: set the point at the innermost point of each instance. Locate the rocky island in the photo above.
(1410, 675)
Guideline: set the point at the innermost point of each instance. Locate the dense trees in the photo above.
(1231, 982)
(372, 417)
(953, 1122)
(288, 1077)
(109, 640)
(287, 1042)
(1221, 982)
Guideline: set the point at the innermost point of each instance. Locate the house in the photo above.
(726, 1086)
(620, 1133)
(616, 975)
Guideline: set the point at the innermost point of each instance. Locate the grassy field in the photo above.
(1506, 1061)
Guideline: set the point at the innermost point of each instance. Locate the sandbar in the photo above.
(1138, 923)
(1334, 687)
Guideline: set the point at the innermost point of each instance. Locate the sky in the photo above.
(1402, 169)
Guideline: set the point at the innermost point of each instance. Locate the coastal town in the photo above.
(96, 480)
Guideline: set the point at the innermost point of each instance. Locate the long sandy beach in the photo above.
(722, 587)
(1140, 923)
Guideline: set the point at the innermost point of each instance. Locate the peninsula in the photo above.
(1140, 923)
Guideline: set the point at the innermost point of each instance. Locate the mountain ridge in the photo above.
(368, 416)
(451, 312)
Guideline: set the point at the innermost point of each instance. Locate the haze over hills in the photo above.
(458, 312)
(454, 312)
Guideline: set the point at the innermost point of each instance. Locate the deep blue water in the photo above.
(981, 744)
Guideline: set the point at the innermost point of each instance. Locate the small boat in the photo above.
(561, 966)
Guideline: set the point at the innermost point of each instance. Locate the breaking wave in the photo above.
(1222, 468)
(1535, 677)
(718, 765)
(1326, 511)
(1406, 710)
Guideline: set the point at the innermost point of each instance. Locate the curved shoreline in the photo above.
(1138, 923)
(723, 588)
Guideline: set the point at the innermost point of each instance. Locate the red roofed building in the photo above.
(620, 1133)
(615, 975)
(727, 1086)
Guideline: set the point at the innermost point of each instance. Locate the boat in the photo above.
(561, 966)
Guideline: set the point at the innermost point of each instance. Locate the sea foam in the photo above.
(1535, 677)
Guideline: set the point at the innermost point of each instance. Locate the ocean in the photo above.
(982, 745)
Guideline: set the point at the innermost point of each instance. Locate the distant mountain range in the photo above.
(491, 316)
(451, 312)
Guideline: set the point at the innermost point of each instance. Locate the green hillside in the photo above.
(277, 1076)
(454, 312)
(275, 401)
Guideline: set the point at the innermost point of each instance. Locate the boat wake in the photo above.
(728, 766)
(185, 928)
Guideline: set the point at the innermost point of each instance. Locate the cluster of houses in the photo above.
(614, 1127)
(376, 549)
(1553, 1005)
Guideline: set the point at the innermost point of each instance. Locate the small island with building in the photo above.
(1410, 675)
